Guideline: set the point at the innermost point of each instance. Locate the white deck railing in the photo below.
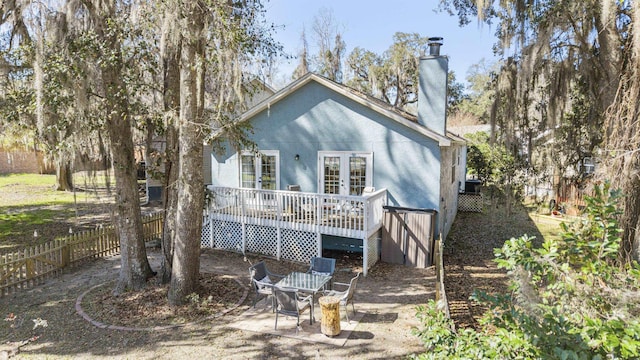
(348, 216)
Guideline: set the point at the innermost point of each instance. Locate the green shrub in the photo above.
(570, 299)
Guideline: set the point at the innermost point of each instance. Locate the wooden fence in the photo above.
(29, 267)
(441, 294)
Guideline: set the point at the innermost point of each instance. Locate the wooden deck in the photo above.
(348, 216)
(290, 225)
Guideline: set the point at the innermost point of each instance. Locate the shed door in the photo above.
(344, 173)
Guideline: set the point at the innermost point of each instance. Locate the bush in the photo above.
(571, 298)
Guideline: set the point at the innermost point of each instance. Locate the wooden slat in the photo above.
(29, 267)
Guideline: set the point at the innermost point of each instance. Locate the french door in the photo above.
(260, 170)
(344, 173)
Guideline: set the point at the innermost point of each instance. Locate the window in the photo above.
(454, 162)
(588, 165)
(260, 170)
(345, 173)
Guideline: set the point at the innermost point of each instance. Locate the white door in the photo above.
(260, 170)
(344, 173)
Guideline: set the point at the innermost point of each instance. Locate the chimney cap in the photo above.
(434, 45)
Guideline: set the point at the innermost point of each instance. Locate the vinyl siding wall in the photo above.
(315, 118)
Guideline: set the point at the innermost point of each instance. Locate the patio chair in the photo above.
(290, 303)
(322, 266)
(346, 296)
(262, 281)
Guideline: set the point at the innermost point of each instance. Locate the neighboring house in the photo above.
(24, 160)
(343, 155)
(560, 182)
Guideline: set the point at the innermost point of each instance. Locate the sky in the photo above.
(370, 24)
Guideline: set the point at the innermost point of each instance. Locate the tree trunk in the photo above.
(171, 99)
(170, 197)
(622, 135)
(64, 178)
(186, 254)
(135, 268)
(609, 57)
(631, 215)
(47, 119)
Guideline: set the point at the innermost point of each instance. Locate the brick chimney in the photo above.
(432, 88)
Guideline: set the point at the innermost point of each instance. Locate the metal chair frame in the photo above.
(289, 302)
(346, 296)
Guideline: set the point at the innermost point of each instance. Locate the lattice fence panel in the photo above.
(262, 239)
(373, 250)
(298, 245)
(227, 235)
(205, 240)
(470, 202)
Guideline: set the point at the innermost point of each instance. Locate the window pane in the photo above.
(248, 175)
(268, 172)
(332, 175)
(357, 175)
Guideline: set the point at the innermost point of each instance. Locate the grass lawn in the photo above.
(548, 226)
(29, 203)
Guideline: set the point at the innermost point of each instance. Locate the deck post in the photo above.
(278, 241)
(319, 240)
(365, 255)
(211, 237)
(365, 239)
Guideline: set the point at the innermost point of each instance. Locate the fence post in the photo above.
(29, 268)
(65, 253)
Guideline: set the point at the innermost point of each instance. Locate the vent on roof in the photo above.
(434, 46)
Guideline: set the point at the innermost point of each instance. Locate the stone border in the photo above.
(100, 325)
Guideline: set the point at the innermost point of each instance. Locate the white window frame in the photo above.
(258, 166)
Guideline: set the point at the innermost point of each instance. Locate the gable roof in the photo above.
(377, 105)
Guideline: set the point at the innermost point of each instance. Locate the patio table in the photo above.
(305, 282)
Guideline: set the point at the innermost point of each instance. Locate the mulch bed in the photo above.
(150, 308)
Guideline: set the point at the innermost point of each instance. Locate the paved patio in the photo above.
(262, 319)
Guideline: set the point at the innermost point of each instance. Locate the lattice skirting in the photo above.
(227, 235)
(470, 202)
(373, 249)
(206, 233)
(295, 245)
(262, 239)
(299, 245)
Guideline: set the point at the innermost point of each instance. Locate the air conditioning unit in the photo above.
(293, 187)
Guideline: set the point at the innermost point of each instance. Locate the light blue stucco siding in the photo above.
(315, 118)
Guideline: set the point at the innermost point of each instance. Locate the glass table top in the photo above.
(304, 281)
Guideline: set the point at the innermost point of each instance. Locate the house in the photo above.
(256, 91)
(326, 160)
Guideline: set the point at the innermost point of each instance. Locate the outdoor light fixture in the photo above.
(297, 157)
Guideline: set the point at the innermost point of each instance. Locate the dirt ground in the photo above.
(468, 258)
(387, 296)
